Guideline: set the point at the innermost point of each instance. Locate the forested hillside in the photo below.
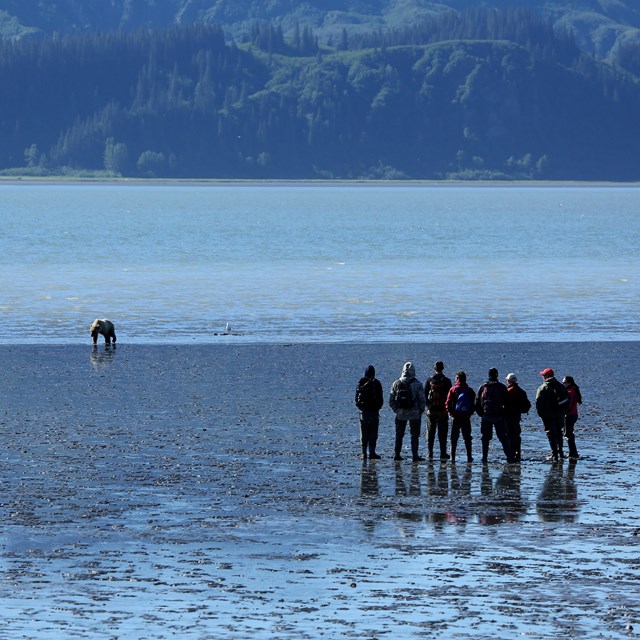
(472, 94)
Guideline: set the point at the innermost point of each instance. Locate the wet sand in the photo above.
(216, 491)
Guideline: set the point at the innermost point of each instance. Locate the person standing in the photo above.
(552, 401)
(407, 401)
(491, 402)
(571, 417)
(436, 390)
(369, 401)
(461, 406)
(517, 404)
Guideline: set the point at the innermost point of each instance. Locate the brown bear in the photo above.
(103, 327)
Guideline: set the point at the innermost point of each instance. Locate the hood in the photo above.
(370, 372)
(408, 371)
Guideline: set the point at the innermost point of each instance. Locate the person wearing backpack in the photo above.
(436, 390)
(571, 417)
(491, 402)
(517, 404)
(461, 406)
(552, 401)
(407, 401)
(369, 401)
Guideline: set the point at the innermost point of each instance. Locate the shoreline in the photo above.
(250, 182)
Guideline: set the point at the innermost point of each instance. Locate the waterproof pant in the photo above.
(553, 425)
(513, 431)
(487, 424)
(438, 421)
(414, 428)
(369, 422)
(569, 423)
(461, 425)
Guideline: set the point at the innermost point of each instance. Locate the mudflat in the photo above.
(216, 491)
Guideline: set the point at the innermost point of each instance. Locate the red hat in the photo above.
(547, 372)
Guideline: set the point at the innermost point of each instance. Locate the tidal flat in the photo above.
(216, 491)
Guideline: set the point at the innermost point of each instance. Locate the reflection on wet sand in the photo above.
(558, 499)
(449, 494)
(102, 357)
(369, 485)
(501, 501)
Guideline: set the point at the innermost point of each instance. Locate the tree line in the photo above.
(475, 94)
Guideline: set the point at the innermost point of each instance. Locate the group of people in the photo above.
(499, 406)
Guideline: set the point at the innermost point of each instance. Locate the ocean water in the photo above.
(288, 263)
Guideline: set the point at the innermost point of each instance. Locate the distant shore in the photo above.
(239, 182)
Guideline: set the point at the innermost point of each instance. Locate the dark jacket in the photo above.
(552, 398)
(498, 410)
(517, 401)
(369, 387)
(445, 386)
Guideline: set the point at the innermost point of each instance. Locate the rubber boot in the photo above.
(467, 445)
(573, 451)
(485, 450)
(431, 438)
(454, 446)
(398, 448)
(442, 438)
(554, 446)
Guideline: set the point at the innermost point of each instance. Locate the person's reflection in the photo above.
(501, 502)
(401, 491)
(437, 483)
(102, 357)
(508, 491)
(437, 487)
(558, 498)
(369, 479)
(414, 481)
(460, 495)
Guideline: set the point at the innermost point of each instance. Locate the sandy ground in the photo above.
(216, 492)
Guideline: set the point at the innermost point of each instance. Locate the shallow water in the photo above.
(216, 491)
(319, 263)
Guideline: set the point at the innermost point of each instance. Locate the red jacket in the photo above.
(452, 399)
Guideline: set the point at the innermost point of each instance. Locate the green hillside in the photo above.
(462, 94)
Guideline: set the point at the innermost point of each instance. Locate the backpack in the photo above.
(366, 395)
(404, 397)
(437, 394)
(464, 402)
(491, 400)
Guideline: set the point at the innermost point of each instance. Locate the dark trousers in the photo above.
(553, 425)
(569, 423)
(414, 428)
(461, 425)
(487, 425)
(438, 421)
(513, 431)
(369, 422)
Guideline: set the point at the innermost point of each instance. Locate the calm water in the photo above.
(320, 263)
